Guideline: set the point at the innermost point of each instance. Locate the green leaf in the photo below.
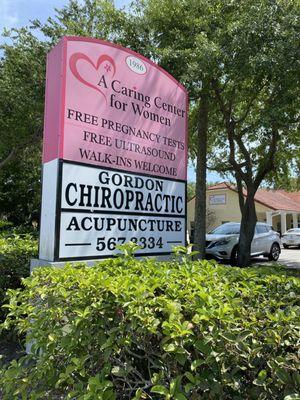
(283, 375)
(188, 387)
(175, 385)
(203, 347)
(181, 358)
(159, 389)
(180, 396)
(51, 337)
(170, 348)
(190, 377)
(197, 363)
(262, 375)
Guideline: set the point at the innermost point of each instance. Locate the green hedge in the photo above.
(16, 249)
(128, 329)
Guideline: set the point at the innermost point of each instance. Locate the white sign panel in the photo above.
(90, 188)
(98, 235)
(216, 199)
(103, 208)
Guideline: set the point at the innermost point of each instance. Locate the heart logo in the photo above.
(80, 56)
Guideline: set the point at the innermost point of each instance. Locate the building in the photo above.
(278, 208)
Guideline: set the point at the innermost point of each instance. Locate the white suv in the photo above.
(222, 242)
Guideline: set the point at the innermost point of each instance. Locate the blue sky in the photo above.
(18, 13)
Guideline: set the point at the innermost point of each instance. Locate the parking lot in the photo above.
(288, 257)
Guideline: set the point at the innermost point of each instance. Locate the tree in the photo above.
(258, 99)
(191, 187)
(239, 62)
(22, 87)
(20, 193)
(237, 59)
(22, 76)
(181, 46)
(23, 68)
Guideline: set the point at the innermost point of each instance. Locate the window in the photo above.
(261, 229)
(226, 229)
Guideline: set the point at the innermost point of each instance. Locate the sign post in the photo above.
(114, 154)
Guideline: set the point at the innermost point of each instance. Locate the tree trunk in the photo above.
(247, 231)
(200, 206)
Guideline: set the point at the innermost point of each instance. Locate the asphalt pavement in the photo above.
(288, 257)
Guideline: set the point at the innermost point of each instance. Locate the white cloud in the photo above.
(9, 14)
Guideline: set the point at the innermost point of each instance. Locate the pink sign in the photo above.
(111, 107)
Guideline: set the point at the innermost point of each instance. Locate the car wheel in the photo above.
(275, 252)
(285, 246)
(234, 256)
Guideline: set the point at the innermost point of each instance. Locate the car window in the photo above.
(261, 229)
(295, 230)
(230, 229)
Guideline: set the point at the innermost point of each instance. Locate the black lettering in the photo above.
(178, 208)
(83, 223)
(129, 197)
(102, 81)
(84, 195)
(73, 223)
(67, 196)
(106, 193)
(104, 180)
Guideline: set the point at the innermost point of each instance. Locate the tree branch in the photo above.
(13, 153)
(248, 108)
(232, 137)
(225, 168)
(246, 154)
(224, 111)
(269, 158)
(7, 159)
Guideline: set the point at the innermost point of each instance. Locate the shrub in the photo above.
(16, 249)
(128, 329)
(4, 224)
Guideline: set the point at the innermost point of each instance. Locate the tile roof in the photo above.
(275, 199)
(221, 185)
(294, 196)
